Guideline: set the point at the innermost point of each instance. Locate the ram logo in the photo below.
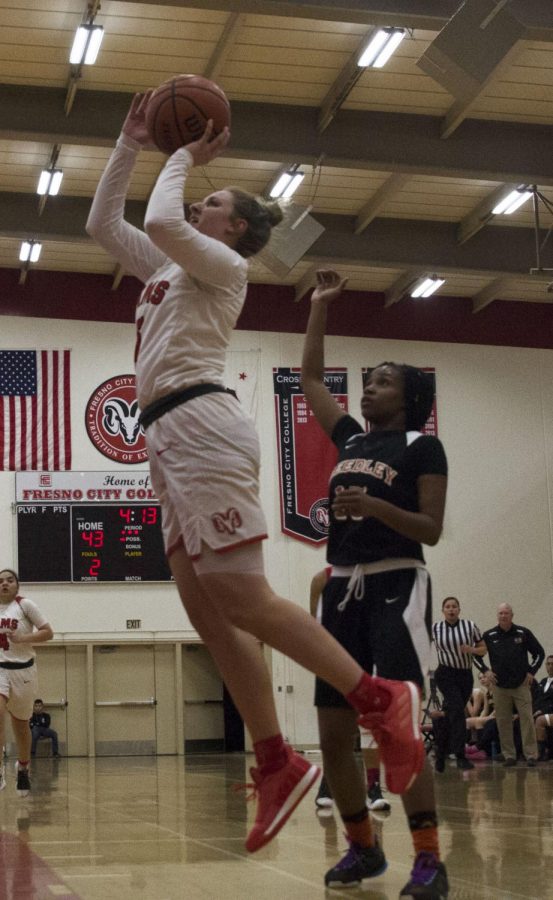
(112, 421)
(227, 522)
(120, 418)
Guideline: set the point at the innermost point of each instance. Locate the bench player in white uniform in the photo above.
(21, 625)
(204, 454)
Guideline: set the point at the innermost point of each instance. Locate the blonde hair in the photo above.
(262, 216)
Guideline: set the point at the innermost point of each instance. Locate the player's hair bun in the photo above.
(274, 211)
(261, 216)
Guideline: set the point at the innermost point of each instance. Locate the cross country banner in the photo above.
(306, 456)
(431, 426)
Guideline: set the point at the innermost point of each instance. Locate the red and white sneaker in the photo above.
(278, 794)
(397, 732)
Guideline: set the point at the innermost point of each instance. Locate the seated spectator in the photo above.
(487, 735)
(479, 703)
(478, 710)
(40, 728)
(543, 713)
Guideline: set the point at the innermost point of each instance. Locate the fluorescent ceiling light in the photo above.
(380, 47)
(294, 185)
(30, 251)
(512, 202)
(426, 286)
(86, 45)
(287, 184)
(49, 182)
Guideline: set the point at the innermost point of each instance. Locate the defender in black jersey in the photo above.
(386, 498)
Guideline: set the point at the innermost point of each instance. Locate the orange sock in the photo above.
(359, 829)
(427, 840)
(424, 831)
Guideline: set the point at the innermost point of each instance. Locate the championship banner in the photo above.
(306, 456)
(431, 426)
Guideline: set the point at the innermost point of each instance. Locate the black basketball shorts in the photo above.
(387, 630)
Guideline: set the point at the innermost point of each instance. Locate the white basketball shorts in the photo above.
(204, 464)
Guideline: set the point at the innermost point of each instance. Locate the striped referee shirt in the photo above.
(448, 638)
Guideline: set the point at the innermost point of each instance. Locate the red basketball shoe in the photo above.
(278, 794)
(398, 735)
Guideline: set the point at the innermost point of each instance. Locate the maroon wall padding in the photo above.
(509, 323)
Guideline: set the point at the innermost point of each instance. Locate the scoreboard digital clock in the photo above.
(90, 543)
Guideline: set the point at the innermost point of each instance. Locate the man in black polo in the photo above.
(515, 657)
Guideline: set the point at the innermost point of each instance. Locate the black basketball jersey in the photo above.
(387, 464)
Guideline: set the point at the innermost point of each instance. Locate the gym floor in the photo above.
(165, 828)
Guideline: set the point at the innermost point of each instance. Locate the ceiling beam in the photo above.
(371, 141)
(427, 14)
(343, 84)
(536, 16)
(306, 282)
(224, 46)
(432, 246)
(372, 207)
(478, 217)
(63, 218)
(430, 15)
(118, 274)
(393, 243)
(401, 285)
(460, 109)
(490, 292)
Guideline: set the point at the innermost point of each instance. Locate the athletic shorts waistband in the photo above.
(16, 665)
(381, 565)
(169, 401)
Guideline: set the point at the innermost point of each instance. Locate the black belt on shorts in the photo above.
(16, 665)
(159, 407)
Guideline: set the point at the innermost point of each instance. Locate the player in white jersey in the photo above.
(204, 451)
(21, 625)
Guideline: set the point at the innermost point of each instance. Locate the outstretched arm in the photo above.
(325, 408)
(106, 223)
(202, 256)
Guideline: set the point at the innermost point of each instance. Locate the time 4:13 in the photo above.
(146, 515)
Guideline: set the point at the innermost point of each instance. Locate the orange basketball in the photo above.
(178, 111)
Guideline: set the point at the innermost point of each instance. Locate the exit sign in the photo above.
(134, 623)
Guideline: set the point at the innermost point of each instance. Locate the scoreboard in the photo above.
(90, 543)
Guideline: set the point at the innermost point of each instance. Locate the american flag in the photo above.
(35, 425)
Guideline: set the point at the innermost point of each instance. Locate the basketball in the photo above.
(178, 111)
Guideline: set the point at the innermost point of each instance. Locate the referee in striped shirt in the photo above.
(456, 641)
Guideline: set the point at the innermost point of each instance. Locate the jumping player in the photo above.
(387, 497)
(19, 618)
(204, 459)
